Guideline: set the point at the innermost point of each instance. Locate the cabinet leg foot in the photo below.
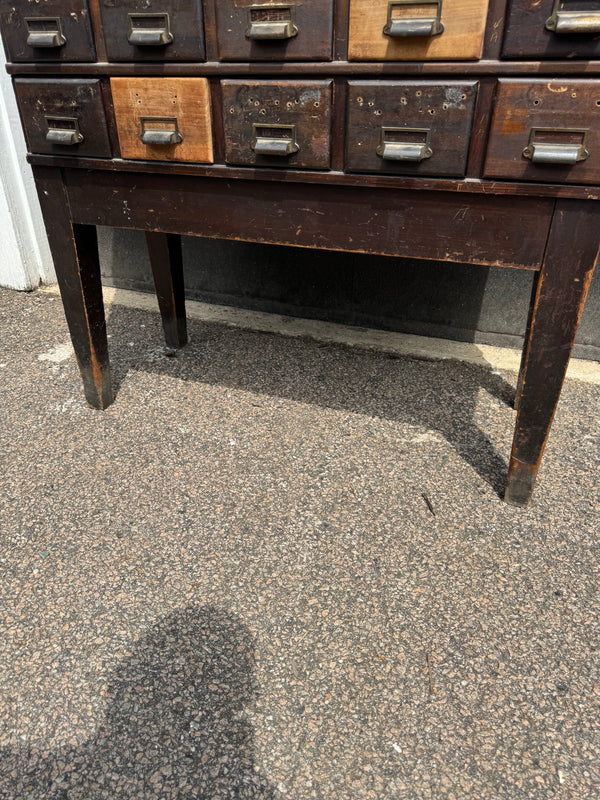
(520, 483)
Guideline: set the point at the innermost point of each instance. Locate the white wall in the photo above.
(25, 259)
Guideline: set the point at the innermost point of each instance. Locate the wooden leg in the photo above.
(560, 295)
(167, 267)
(75, 255)
(519, 389)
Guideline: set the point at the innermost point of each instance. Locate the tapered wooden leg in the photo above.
(534, 288)
(558, 302)
(75, 254)
(167, 267)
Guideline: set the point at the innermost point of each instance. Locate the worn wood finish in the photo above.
(462, 39)
(473, 229)
(420, 69)
(480, 129)
(439, 114)
(186, 100)
(526, 34)
(164, 250)
(306, 105)
(494, 29)
(560, 106)
(313, 20)
(48, 104)
(73, 19)
(286, 185)
(397, 182)
(96, 21)
(560, 295)
(75, 253)
(185, 27)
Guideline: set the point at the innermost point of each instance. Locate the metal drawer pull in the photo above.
(573, 22)
(161, 131)
(271, 22)
(398, 27)
(549, 150)
(149, 30)
(44, 32)
(63, 130)
(274, 140)
(402, 144)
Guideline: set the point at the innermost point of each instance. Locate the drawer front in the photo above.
(56, 30)
(163, 119)
(553, 29)
(546, 131)
(153, 30)
(63, 117)
(251, 30)
(409, 128)
(277, 124)
(451, 30)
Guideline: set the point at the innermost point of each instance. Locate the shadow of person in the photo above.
(174, 726)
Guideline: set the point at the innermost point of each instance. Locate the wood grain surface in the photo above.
(186, 99)
(462, 39)
(562, 105)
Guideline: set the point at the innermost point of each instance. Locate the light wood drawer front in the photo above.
(553, 29)
(153, 30)
(251, 30)
(163, 119)
(63, 117)
(451, 30)
(409, 127)
(277, 124)
(546, 130)
(55, 30)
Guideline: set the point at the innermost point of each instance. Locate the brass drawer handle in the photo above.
(545, 146)
(271, 22)
(161, 131)
(149, 30)
(44, 32)
(398, 27)
(404, 144)
(63, 130)
(572, 22)
(274, 140)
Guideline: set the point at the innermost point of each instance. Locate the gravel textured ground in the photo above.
(276, 569)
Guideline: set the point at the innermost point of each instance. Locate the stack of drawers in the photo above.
(435, 98)
(540, 129)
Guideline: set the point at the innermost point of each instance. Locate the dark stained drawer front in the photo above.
(546, 130)
(63, 117)
(153, 30)
(409, 127)
(277, 124)
(553, 29)
(251, 30)
(55, 30)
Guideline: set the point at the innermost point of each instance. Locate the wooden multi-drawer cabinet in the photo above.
(459, 130)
